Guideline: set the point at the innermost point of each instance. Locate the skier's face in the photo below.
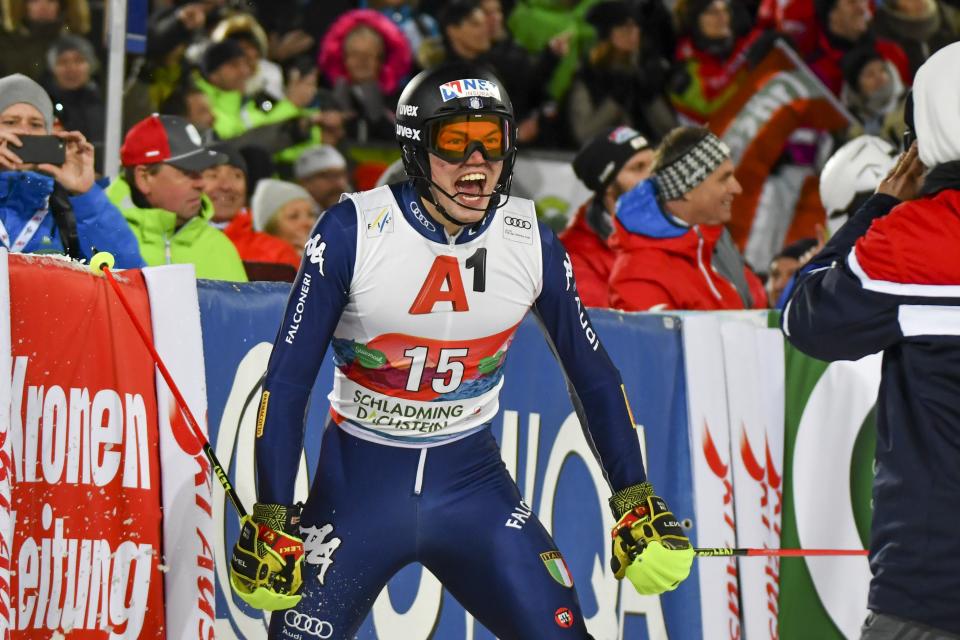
(470, 182)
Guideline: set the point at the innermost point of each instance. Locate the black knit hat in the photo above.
(599, 161)
(605, 16)
(853, 63)
(220, 53)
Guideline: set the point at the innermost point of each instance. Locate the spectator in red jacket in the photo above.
(610, 165)
(670, 246)
(844, 25)
(794, 18)
(226, 186)
(712, 58)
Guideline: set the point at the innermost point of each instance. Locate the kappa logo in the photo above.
(317, 550)
(408, 110)
(468, 88)
(408, 132)
(308, 624)
(314, 248)
(379, 220)
(568, 269)
(421, 218)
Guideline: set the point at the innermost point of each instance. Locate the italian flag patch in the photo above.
(553, 561)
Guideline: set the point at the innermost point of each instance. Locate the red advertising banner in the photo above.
(86, 466)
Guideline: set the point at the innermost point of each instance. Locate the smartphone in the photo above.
(41, 150)
(909, 134)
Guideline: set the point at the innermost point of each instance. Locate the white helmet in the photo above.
(851, 174)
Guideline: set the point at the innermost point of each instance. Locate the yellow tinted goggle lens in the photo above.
(451, 139)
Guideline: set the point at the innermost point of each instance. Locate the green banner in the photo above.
(843, 402)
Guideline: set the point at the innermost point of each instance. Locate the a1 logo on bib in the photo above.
(379, 220)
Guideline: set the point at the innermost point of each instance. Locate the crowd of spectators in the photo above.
(269, 111)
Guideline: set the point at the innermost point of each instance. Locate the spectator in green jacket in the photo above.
(225, 72)
(161, 196)
(535, 23)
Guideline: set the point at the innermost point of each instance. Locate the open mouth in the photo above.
(470, 187)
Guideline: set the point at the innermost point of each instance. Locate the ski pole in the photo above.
(104, 261)
(776, 553)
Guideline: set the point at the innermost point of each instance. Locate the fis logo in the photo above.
(407, 132)
(379, 221)
(468, 88)
(407, 110)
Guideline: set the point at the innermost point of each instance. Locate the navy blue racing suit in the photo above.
(408, 470)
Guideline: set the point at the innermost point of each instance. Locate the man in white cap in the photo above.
(888, 281)
(322, 171)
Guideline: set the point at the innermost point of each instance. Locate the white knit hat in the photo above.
(270, 196)
(317, 159)
(936, 106)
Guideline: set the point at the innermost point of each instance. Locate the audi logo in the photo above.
(302, 622)
(520, 223)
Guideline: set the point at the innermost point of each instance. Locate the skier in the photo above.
(420, 288)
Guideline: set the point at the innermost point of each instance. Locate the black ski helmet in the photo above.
(451, 89)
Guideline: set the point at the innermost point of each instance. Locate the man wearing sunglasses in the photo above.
(419, 288)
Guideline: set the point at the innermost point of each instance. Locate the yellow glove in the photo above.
(265, 568)
(649, 547)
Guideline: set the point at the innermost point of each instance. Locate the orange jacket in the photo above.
(254, 246)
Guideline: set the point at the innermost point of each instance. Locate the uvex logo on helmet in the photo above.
(467, 88)
(408, 132)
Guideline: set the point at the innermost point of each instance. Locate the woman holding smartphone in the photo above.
(49, 202)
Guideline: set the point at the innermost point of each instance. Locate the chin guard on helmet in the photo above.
(452, 99)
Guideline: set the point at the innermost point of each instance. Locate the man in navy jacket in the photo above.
(889, 280)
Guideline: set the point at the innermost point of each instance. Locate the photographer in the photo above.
(51, 204)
